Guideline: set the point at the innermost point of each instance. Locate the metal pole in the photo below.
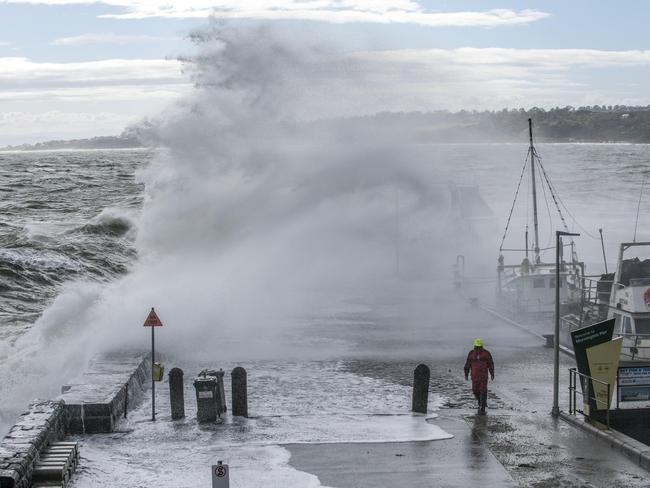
(602, 245)
(570, 386)
(608, 400)
(556, 346)
(153, 383)
(397, 231)
(532, 172)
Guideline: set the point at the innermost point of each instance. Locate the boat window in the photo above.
(627, 324)
(538, 283)
(617, 322)
(552, 283)
(642, 326)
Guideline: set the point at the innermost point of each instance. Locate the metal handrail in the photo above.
(573, 391)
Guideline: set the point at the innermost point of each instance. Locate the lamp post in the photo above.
(556, 345)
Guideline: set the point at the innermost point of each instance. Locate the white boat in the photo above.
(527, 286)
(624, 296)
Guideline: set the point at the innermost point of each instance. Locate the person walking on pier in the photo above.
(479, 362)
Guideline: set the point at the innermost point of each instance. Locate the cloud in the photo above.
(25, 72)
(357, 83)
(335, 11)
(536, 58)
(113, 93)
(104, 38)
(426, 78)
(112, 80)
(490, 78)
(16, 127)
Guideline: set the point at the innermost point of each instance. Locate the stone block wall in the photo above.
(43, 423)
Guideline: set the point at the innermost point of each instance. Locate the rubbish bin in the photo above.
(206, 398)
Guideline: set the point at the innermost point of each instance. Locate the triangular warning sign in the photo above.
(152, 320)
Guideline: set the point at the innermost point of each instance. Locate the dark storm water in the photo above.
(70, 216)
(63, 216)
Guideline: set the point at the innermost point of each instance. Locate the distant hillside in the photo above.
(104, 142)
(567, 124)
(617, 123)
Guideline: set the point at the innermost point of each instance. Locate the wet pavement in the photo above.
(459, 462)
(535, 449)
(345, 422)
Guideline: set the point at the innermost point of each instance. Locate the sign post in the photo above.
(555, 411)
(220, 475)
(153, 321)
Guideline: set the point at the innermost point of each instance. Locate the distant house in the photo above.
(625, 116)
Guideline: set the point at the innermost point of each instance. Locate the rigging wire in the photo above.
(505, 232)
(638, 207)
(550, 216)
(556, 198)
(557, 206)
(528, 244)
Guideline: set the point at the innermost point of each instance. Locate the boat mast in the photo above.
(532, 172)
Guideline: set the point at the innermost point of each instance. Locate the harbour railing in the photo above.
(574, 374)
(635, 346)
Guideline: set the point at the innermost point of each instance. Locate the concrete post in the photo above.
(421, 388)
(176, 393)
(221, 394)
(239, 392)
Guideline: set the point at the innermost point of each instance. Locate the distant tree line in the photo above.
(597, 123)
(617, 123)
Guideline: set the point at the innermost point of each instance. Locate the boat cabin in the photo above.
(629, 304)
(531, 289)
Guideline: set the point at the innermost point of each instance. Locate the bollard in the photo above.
(221, 394)
(239, 392)
(176, 393)
(421, 388)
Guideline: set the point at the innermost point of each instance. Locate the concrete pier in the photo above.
(105, 392)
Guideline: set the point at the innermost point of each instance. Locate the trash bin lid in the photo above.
(205, 382)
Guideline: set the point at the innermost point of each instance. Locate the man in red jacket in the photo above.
(479, 362)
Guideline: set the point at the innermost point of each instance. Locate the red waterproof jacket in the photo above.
(479, 362)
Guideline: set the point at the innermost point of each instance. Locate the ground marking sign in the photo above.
(220, 476)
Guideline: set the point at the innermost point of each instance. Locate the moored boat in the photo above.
(624, 296)
(527, 286)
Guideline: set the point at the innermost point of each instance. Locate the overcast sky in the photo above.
(69, 68)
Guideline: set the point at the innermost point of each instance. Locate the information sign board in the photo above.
(634, 383)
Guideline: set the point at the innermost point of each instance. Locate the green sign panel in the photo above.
(583, 339)
(590, 336)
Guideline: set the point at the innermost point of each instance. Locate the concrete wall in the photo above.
(43, 423)
(111, 385)
(632, 422)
